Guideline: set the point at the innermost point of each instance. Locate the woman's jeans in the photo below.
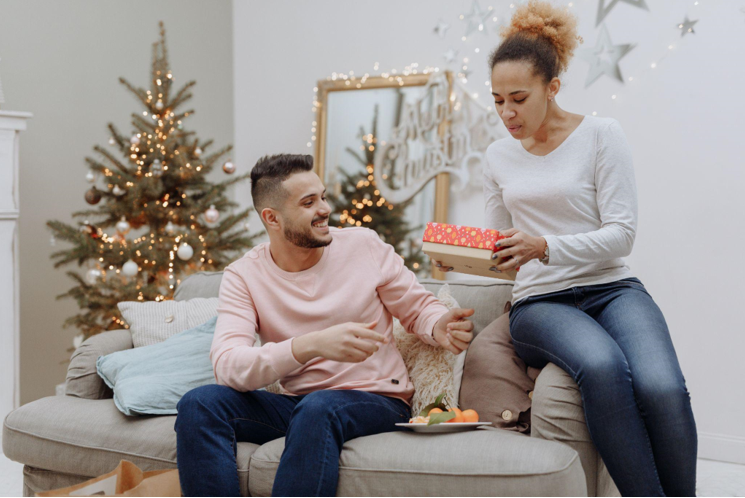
(212, 419)
(613, 340)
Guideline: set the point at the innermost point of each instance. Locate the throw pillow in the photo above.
(151, 380)
(152, 322)
(431, 369)
(496, 382)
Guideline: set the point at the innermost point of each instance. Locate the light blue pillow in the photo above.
(150, 380)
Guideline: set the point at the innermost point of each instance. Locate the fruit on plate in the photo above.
(439, 412)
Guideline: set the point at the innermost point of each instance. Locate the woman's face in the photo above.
(521, 97)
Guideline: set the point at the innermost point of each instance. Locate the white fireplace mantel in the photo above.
(11, 125)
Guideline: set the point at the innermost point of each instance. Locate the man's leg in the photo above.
(211, 420)
(319, 426)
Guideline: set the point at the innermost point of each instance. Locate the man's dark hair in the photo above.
(269, 173)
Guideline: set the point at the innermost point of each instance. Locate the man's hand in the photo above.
(521, 247)
(453, 332)
(347, 342)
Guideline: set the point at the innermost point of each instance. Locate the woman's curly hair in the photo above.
(541, 34)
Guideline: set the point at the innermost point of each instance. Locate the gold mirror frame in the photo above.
(442, 181)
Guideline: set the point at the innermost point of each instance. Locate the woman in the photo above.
(562, 188)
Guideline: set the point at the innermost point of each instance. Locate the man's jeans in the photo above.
(212, 419)
(613, 340)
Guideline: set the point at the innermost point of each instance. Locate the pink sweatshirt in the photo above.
(359, 278)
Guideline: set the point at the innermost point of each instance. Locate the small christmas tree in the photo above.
(359, 203)
(160, 187)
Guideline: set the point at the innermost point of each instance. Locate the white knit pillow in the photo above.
(152, 322)
(432, 370)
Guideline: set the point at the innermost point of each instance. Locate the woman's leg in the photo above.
(211, 420)
(635, 322)
(320, 425)
(556, 331)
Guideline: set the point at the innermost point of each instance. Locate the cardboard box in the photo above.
(466, 249)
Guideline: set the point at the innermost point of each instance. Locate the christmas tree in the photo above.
(357, 202)
(160, 189)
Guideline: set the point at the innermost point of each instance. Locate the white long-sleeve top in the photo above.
(581, 197)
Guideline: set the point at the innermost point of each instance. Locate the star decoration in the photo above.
(476, 19)
(686, 27)
(441, 28)
(450, 55)
(604, 57)
(603, 11)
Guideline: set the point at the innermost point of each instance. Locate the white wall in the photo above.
(684, 121)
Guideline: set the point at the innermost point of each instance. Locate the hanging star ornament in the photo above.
(604, 10)
(476, 19)
(450, 55)
(686, 27)
(441, 28)
(604, 57)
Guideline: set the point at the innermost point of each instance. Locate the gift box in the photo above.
(465, 249)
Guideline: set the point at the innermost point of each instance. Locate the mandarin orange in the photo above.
(470, 416)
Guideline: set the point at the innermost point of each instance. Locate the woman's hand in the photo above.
(518, 248)
(440, 266)
(453, 331)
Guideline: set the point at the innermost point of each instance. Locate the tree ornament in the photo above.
(185, 252)
(91, 230)
(52, 241)
(159, 105)
(135, 140)
(112, 141)
(212, 214)
(180, 126)
(197, 152)
(130, 268)
(118, 191)
(247, 226)
(228, 167)
(93, 196)
(93, 275)
(122, 226)
(90, 177)
(157, 168)
(77, 340)
(170, 228)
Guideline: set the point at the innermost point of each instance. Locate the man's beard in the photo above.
(304, 238)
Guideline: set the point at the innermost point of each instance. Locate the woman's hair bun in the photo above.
(542, 19)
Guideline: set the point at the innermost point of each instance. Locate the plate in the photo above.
(444, 427)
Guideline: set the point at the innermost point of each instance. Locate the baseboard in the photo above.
(721, 447)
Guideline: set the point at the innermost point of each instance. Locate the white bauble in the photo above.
(112, 141)
(93, 275)
(135, 140)
(212, 214)
(77, 340)
(130, 269)
(90, 177)
(157, 168)
(159, 105)
(197, 152)
(185, 252)
(122, 226)
(118, 191)
(228, 167)
(170, 228)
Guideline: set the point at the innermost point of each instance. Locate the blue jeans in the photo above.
(613, 340)
(212, 419)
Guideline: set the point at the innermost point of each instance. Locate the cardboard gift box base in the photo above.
(125, 480)
(470, 260)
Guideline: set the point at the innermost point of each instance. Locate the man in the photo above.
(322, 301)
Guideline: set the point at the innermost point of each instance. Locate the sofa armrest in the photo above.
(82, 378)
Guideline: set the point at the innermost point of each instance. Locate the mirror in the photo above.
(356, 127)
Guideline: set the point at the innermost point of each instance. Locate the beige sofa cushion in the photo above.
(88, 438)
(474, 463)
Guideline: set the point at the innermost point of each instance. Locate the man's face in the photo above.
(305, 213)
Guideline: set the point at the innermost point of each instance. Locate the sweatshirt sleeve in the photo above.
(236, 362)
(417, 309)
(617, 204)
(497, 217)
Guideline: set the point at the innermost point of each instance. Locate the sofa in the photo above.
(65, 440)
